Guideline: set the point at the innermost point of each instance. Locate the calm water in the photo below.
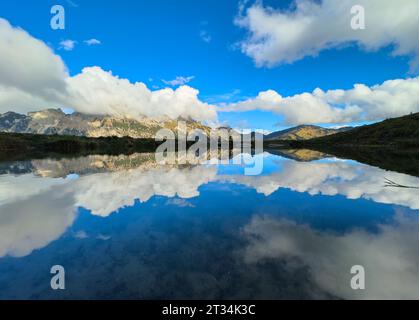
(125, 227)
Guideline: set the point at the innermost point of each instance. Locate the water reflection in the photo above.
(389, 256)
(102, 185)
(127, 227)
(347, 178)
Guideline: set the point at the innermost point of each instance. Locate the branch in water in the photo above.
(393, 184)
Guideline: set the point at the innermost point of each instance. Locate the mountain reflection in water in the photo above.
(127, 227)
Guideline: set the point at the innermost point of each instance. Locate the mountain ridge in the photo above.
(303, 132)
(55, 121)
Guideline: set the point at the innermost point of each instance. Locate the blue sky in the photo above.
(151, 41)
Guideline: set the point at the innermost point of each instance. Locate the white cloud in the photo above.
(361, 103)
(81, 235)
(96, 91)
(179, 202)
(92, 42)
(28, 65)
(178, 81)
(205, 36)
(32, 77)
(309, 27)
(13, 99)
(67, 45)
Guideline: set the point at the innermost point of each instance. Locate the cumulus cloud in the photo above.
(99, 92)
(178, 81)
(13, 99)
(309, 27)
(361, 103)
(67, 45)
(28, 65)
(32, 77)
(92, 42)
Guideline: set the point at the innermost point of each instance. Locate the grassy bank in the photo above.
(397, 133)
(20, 146)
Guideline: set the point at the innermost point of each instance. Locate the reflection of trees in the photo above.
(91, 164)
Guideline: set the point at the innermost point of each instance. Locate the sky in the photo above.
(248, 64)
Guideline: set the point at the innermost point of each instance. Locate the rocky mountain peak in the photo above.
(55, 121)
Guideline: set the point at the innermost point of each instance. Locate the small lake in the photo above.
(125, 227)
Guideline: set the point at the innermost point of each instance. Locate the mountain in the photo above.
(402, 132)
(304, 132)
(391, 145)
(55, 121)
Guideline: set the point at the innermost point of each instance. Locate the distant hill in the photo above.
(402, 132)
(54, 121)
(391, 145)
(304, 132)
